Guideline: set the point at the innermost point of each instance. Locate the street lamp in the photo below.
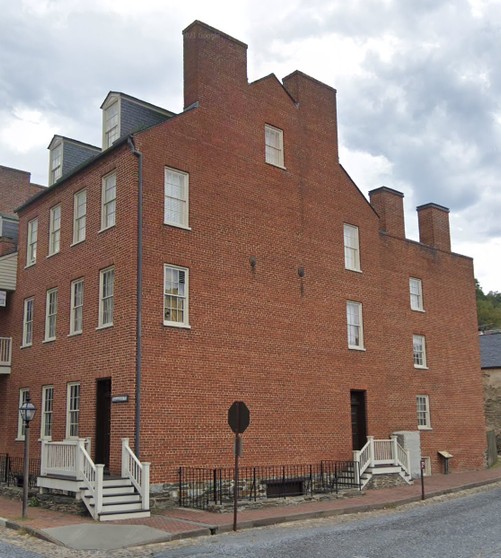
(27, 411)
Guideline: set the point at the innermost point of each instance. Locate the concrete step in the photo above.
(114, 516)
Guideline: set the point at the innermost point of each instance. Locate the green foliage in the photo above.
(488, 308)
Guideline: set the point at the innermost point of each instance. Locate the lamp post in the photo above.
(27, 411)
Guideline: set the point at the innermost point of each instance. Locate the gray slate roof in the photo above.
(490, 350)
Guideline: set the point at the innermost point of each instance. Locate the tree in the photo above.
(488, 308)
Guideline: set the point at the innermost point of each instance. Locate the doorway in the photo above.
(358, 419)
(103, 423)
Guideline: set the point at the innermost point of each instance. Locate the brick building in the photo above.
(224, 254)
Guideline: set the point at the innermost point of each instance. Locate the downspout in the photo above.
(139, 289)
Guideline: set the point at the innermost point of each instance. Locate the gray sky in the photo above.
(418, 81)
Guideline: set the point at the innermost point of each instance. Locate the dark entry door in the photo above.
(103, 422)
(358, 419)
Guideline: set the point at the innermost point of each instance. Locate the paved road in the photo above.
(468, 527)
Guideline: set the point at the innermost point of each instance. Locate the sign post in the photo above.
(423, 465)
(238, 419)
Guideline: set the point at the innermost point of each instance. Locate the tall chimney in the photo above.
(389, 205)
(434, 229)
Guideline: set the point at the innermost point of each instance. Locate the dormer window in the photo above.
(111, 128)
(56, 163)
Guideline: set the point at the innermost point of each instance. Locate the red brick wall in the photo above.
(15, 189)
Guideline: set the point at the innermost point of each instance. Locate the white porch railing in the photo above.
(63, 458)
(93, 479)
(382, 452)
(5, 351)
(137, 472)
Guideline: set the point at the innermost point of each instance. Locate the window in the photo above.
(175, 296)
(55, 230)
(106, 290)
(73, 410)
(56, 163)
(351, 248)
(79, 216)
(419, 349)
(274, 142)
(31, 251)
(47, 410)
(24, 394)
(111, 125)
(76, 311)
(108, 201)
(176, 198)
(423, 412)
(355, 325)
(416, 293)
(50, 315)
(28, 322)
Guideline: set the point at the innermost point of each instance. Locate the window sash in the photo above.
(56, 159)
(31, 252)
(47, 411)
(175, 295)
(423, 411)
(416, 294)
(274, 150)
(176, 198)
(23, 397)
(354, 324)
(351, 248)
(76, 318)
(73, 410)
(28, 322)
(419, 350)
(111, 130)
(80, 216)
(108, 208)
(106, 301)
(51, 315)
(55, 230)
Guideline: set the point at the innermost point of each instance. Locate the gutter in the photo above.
(139, 288)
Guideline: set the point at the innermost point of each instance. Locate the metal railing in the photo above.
(5, 351)
(205, 487)
(11, 470)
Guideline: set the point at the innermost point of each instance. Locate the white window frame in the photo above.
(176, 299)
(351, 235)
(23, 397)
(106, 297)
(47, 414)
(56, 163)
(416, 294)
(419, 351)
(355, 325)
(108, 201)
(50, 315)
(176, 198)
(28, 311)
(423, 412)
(274, 146)
(31, 242)
(76, 306)
(79, 216)
(72, 410)
(111, 123)
(55, 230)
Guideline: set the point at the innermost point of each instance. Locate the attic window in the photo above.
(56, 163)
(111, 125)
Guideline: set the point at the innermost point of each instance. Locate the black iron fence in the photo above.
(202, 488)
(12, 470)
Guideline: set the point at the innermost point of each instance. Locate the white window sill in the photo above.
(105, 326)
(26, 346)
(75, 333)
(275, 165)
(419, 367)
(177, 226)
(49, 340)
(18, 439)
(74, 243)
(178, 325)
(30, 264)
(45, 439)
(105, 229)
(356, 348)
(418, 310)
(53, 254)
(353, 269)
(425, 428)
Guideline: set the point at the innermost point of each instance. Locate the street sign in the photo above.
(238, 417)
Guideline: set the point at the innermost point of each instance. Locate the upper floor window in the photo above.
(47, 412)
(76, 310)
(28, 322)
(51, 315)
(423, 412)
(56, 163)
(108, 201)
(55, 230)
(31, 246)
(419, 350)
(176, 198)
(351, 248)
(79, 216)
(355, 325)
(72, 410)
(106, 296)
(416, 293)
(111, 124)
(274, 142)
(175, 296)
(24, 394)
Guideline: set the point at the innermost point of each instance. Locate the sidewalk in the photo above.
(85, 534)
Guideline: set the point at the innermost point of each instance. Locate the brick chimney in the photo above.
(434, 229)
(215, 64)
(389, 205)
